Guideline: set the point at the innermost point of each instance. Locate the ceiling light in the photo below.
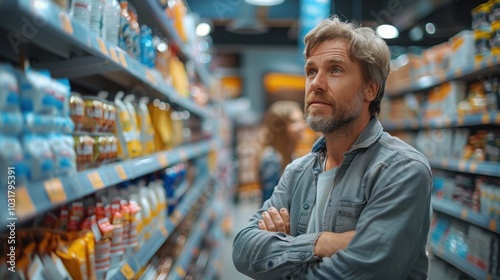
(264, 2)
(203, 29)
(387, 31)
(430, 28)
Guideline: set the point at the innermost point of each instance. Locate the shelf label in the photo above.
(485, 118)
(95, 180)
(162, 159)
(24, 206)
(123, 59)
(181, 272)
(127, 271)
(150, 77)
(462, 165)
(121, 172)
(176, 217)
(163, 230)
(444, 162)
(460, 120)
(473, 167)
(66, 23)
(493, 225)
(114, 55)
(102, 46)
(458, 72)
(497, 118)
(55, 190)
(464, 214)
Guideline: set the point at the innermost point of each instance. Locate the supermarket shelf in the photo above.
(40, 197)
(152, 14)
(487, 118)
(460, 212)
(214, 267)
(467, 166)
(486, 67)
(182, 262)
(148, 249)
(462, 264)
(56, 33)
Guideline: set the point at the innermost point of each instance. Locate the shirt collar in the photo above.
(368, 136)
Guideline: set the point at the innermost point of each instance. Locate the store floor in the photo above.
(247, 204)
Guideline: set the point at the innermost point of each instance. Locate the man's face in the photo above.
(335, 92)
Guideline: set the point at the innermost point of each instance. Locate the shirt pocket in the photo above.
(347, 215)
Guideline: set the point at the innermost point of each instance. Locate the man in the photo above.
(358, 205)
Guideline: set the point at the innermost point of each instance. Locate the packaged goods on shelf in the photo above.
(111, 25)
(443, 100)
(128, 136)
(179, 75)
(147, 133)
(97, 17)
(462, 47)
(81, 11)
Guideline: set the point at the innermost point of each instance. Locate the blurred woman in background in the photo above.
(282, 129)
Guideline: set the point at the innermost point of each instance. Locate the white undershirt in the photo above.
(324, 187)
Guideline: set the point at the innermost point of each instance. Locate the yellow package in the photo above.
(136, 143)
(179, 75)
(90, 250)
(73, 255)
(129, 145)
(147, 131)
(162, 124)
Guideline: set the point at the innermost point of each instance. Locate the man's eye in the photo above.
(336, 70)
(311, 72)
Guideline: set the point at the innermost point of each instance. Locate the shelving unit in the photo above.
(486, 118)
(462, 264)
(467, 166)
(490, 65)
(58, 191)
(80, 55)
(459, 212)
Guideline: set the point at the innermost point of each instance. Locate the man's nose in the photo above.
(318, 84)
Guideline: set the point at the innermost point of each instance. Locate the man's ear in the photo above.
(371, 91)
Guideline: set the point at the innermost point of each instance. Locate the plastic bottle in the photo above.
(97, 16)
(81, 11)
(112, 11)
(124, 38)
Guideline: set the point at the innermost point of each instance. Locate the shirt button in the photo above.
(303, 256)
(270, 263)
(306, 206)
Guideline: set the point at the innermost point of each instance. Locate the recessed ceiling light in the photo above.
(387, 31)
(203, 29)
(430, 28)
(264, 2)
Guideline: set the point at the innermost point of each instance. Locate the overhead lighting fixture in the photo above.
(264, 2)
(387, 31)
(247, 22)
(430, 28)
(203, 29)
(416, 33)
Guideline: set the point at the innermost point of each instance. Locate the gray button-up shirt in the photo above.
(382, 191)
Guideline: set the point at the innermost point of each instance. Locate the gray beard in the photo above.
(329, 124)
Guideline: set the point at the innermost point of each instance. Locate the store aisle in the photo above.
(247, 204)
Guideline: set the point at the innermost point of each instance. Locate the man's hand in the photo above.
(329, 243)
(275, 221)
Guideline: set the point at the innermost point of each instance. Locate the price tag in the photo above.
(102, 46)
(444, 162)
(66, 23)
(485, 118)
(24, 206)
(460, 120)
(162, 159)
(462, 165)
(121, 172)
(493, 224)
(181, 272)
(458, 72)
(447, 122)
(123, 59)
(55, 190)
(163, 230)
(95, 180)
(464, 214)
(127, 271)
(114, 55)
(150, 77)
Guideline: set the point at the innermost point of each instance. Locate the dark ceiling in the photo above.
(449, 17)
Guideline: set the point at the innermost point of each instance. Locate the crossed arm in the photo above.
(327, 244)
